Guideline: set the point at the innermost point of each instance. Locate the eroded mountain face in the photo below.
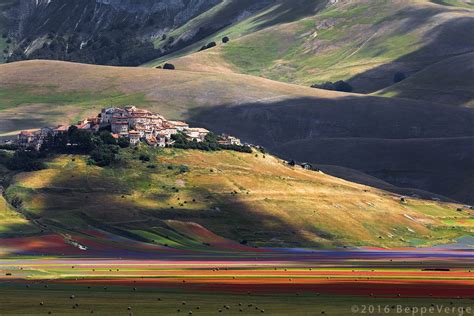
(114, 32)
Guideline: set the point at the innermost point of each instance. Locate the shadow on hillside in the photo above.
(446, 40)
(77, 202)
(405, 143)
(289, 11)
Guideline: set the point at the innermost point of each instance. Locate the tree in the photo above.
(225, 39)
(124, 142)
(340, 85)
(211, 45)
(169, 66)
(399, 76)
(107, 138)
(25, 161)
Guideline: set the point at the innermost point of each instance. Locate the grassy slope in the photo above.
(39, 93)
(12, 222)
(439, 82)
(366, 41)
(235, 195)
(236, 12)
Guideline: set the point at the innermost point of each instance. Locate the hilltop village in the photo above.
(134, 124)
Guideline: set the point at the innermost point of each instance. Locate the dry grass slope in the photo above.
(238, 196)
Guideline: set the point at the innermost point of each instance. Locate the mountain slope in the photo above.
(117, 32)
(363, 42)
(244, 197)
(293, 121)
(448, 82)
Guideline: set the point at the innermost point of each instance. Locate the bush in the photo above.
(16, 202)
(169, 66)
(107, 138)
(9, 146)
(341, 86)
(103, 156)
(209, 144)
(225, 39)
(25, 161)
(144, 158)
(183, 169)
(211, 45)
(399, 76)
(124, 142)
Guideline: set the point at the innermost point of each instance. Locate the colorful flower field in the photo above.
(100, 266)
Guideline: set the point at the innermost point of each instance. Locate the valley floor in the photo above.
(274, 282)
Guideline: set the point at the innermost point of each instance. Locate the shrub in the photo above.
(144, 158)
(25, 161)
(103, 156)
(183, 169)
(107, 138)
(211, 45)
(16, 202)
(341, 86)
(169, 66)
(225, 39)
(9, 146)
(124, 142)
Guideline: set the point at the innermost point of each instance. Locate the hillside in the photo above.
(115, 32)
(330, 127)
(363, 42)
(251, 197)
(448, 82)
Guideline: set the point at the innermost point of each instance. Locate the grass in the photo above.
(13, 223)
(54, 103)
(16, 300)
(334, 60)
(40, 93)
(341, 42)
(455, 3)
(237, 196)
(23, 95)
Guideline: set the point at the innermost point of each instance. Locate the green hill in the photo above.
(251, 197)
(363, 42)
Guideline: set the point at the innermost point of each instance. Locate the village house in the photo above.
(180, 126)
(134, 137)
(228, 140)
(26, 138)
(198, 134)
